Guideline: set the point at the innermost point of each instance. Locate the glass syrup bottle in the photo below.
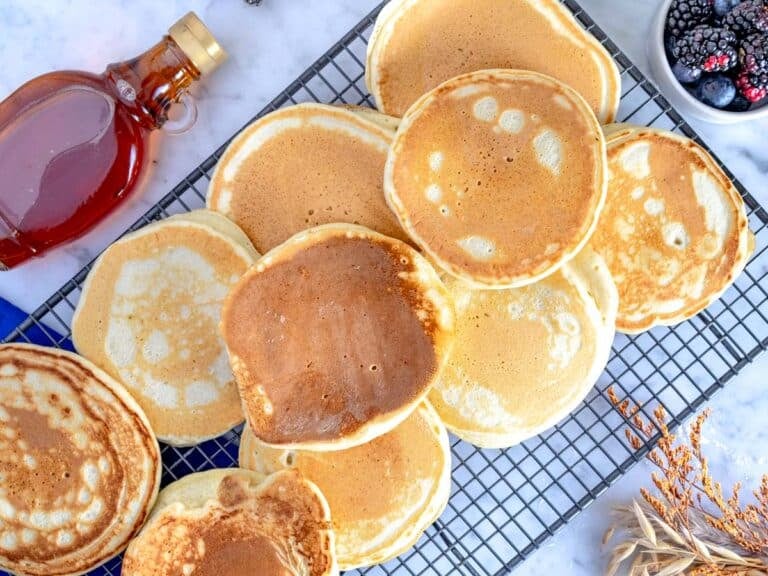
(73, 144)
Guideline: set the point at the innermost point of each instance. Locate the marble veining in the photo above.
(269, 47)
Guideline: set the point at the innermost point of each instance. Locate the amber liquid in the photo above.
(73, 146)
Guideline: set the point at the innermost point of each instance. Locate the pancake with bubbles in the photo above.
(498, 175)
(526, 357)
(674, 231)
(335, 336)
(79, 463)
(304, 166)
(417, 44)
(149, 316)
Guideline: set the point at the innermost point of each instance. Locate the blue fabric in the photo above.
(11, 317)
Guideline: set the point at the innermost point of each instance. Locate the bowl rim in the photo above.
(666, 67)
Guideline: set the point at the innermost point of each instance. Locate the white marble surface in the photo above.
(269, 47)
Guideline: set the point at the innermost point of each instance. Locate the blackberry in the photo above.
(711, 49)
(753, 53)
(685, 14)
(747, 17)
(754, 87)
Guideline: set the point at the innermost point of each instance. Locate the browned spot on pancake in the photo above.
(309, 329)
(61, 419)
(235, 552)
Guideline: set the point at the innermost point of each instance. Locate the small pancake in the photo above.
(417, 44)
(382, 495)
(236, 522)
(149, 316)
(303, 166)
(517, 194)
(79, 464)
(526, 357)
(674, 230)
(335, 337)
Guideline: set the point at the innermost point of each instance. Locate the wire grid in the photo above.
(506, 503)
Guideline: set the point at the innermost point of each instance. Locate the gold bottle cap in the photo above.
(197, 42)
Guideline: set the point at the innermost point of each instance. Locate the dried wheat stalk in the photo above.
(686, 526)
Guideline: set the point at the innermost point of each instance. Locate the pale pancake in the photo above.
(304, 166)
(674, 230)
(526, 357)
(149, 315)
(236, 522)
(516, 194)
(335, 337)
(79, 464)
(417, 44)
(382, 495)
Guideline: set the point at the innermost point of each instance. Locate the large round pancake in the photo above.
(382, 495)
(417, 44)
(674, 230)
(335, 337)
(525, 357)
(304, 166)
(513, 197)
(79, 464)
(235, 522)
(149, 315)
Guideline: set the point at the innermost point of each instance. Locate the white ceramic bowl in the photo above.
(675, 92)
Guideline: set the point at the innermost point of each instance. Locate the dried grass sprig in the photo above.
(686, 525)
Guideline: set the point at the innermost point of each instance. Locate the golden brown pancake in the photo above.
(382, 495)
(674, 231)
(149, 316)
(417, 44)
(303, 166)
(526, 357)
(498, 175)
(335, 337)
(235, 522)
(79, 464)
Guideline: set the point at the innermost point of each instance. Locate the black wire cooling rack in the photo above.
(506, 503)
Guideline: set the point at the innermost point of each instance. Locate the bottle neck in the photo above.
(149, 84)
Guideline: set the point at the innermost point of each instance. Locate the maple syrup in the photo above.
(73, 145)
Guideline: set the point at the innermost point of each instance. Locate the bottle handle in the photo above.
(187, 119)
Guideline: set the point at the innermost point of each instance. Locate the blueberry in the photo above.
(739, 104)
(717, 90)
(722, 7)
(685, 74)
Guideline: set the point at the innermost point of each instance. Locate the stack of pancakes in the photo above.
(458, 260)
